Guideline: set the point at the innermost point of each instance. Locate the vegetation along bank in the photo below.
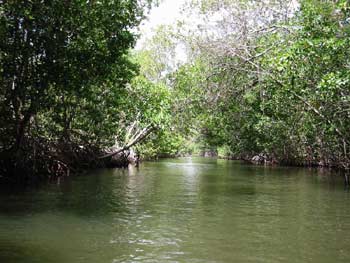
(264, 81)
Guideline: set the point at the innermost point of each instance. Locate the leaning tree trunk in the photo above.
(119, 157)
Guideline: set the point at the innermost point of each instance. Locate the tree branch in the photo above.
(136, 139)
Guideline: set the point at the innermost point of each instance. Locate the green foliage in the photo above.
(289, 97)
(150, 101)
(276, 85)
(310, 88)
(165, 143)
(65, 68)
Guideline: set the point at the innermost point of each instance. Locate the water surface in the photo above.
(183, 210)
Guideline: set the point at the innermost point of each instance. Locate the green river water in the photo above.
(181, 210)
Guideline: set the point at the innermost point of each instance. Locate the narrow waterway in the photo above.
(182, 210)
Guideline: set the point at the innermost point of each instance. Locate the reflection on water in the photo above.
(185, 210)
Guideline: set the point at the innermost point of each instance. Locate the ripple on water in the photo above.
(187, 210)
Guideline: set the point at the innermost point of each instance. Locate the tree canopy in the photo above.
(267, 79)
(261, 78)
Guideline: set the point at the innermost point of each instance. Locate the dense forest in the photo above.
(264, 81)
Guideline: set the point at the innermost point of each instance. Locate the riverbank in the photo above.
(264, 161)
(46, 161)
(41, 160)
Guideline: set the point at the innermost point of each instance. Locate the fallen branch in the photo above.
(136, 139)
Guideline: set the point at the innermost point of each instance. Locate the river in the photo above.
(179, 210)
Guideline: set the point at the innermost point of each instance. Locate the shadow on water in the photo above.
(84, 196)
(21, 251)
